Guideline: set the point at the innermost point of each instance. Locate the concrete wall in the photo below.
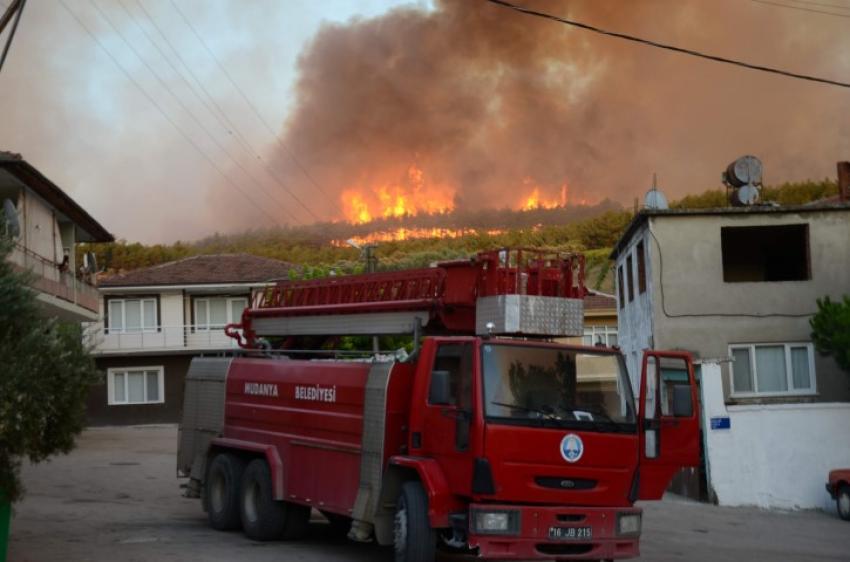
(699, 312)
(635, 318)
(773, 455)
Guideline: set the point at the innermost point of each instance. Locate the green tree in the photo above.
(45, 374)
(831, 330)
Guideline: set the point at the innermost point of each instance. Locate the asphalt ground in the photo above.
(116, 497)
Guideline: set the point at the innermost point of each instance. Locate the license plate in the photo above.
(570, 533)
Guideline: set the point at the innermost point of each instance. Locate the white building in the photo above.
(152, 321)
(737, 287)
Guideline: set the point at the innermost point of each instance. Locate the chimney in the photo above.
(844, 182)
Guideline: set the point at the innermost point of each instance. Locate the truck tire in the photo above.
(263, 517)
(842, 502)
(415, 540)
(221, 491)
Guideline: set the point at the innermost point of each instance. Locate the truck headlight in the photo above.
(502, 522)
(628, 524)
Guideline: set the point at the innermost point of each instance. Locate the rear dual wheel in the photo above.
(263, 517)
(221, 491)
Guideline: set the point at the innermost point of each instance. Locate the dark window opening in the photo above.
(620, 286)
(631, 275)
(641, 263)
(765, 253)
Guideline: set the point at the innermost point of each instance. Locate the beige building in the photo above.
(46, 225)
(737, 288)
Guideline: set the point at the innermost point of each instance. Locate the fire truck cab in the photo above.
(500, 447)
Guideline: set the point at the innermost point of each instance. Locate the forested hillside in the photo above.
(318, 249)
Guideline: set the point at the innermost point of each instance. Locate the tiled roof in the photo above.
(212, 269)
(599, 301)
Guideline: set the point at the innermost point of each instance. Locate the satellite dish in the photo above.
(13, 225)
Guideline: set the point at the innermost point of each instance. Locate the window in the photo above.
(641, 263)
(604, 335)
(620, 286)
(135, 385)
(216, 312)
(456, 359)
(132, 315)
(765, 253)
(772, 369)
(630, 274)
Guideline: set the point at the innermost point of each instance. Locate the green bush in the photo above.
(831, 330)
(45, 374)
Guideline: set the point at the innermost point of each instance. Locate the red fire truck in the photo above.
(489, 439)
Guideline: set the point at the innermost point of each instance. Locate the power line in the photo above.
(255, 110)
(821, 4)
(164, 114)
(802, 9)
(673, 48)
(197, 95)
(180, 102)
(230, 127)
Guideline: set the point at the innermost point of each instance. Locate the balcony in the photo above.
(165, 339)
(61, 292)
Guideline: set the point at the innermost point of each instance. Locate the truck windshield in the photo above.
(546, 386)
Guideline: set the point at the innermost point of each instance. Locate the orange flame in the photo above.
(414, 234)
(411, 196)
(534, 201)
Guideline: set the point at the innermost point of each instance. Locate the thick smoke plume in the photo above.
(489, 102)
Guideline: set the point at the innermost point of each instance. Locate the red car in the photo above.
(839, 488)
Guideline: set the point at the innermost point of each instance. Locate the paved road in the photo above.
(116, 498)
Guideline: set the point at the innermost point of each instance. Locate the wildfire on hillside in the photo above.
(410, 196)
(534, 201)
(414, 234)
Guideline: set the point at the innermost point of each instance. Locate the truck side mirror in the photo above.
(440, 392)
(683, 407)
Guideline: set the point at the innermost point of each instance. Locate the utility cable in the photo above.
(256, 111)
(802, 9)
(185, 108)
(690, 52)
(20, 9)
(705, 315)
(165, 115)
(230, 127)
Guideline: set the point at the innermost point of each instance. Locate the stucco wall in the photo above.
(772, 456)
(635, 320)
(698, 311)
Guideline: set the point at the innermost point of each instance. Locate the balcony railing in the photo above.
(50, 278)
(163, 338)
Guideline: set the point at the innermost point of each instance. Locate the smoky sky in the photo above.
(483, 98)
(479, 98)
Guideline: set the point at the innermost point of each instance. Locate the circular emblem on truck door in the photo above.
(572, 447)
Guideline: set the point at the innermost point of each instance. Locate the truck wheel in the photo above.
(263, 517)
(843, 502)
(415, 540)
(221, 491)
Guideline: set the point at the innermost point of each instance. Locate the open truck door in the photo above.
(669, 420)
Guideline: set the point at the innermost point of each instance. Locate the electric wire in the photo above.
(230, 127)
(665, 46)
(197, 95)
(707, 315)
(165, 115)
(801, 8)
(254, 109)
(185, 108)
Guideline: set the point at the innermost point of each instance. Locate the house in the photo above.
(600, 320)
(737, 287)
(46, 225)
(152, 321)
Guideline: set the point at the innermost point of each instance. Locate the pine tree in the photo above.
(45, 374)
